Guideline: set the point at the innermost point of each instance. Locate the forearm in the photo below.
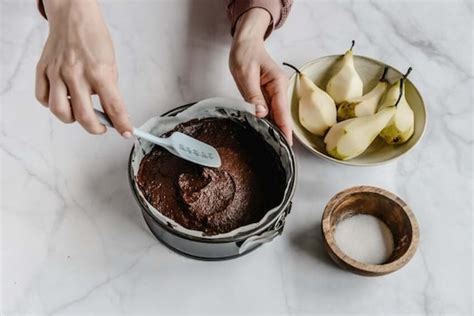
(74, 20)
(252, 25)
(277, 9)
(59, 10)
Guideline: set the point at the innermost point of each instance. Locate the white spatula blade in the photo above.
(194, 150)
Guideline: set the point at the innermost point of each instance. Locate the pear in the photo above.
(366, 104)
(402, 125)
(346, 83)
(350, 138)
(317, 111)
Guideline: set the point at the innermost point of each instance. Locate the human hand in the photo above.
(78, 60)
(258, 78)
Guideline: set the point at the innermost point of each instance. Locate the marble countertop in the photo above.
(73, 241)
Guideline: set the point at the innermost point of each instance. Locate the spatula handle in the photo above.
(103, 118)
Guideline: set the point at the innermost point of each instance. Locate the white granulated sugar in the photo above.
(364, 238)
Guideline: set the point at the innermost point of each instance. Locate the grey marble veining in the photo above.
(73, 241)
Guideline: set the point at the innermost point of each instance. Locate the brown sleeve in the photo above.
(41, 8)
(278, 9)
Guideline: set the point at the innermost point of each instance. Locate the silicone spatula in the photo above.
(178, 144)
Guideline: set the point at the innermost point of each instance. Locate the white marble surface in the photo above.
(73, 241)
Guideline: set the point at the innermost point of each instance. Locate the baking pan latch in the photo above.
(268, 235)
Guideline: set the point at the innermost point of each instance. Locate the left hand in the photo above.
(258, 77)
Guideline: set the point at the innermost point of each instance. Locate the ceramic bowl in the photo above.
(320, 71)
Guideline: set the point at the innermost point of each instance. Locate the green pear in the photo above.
(317, 111)
(364, 105)
(402, 125)
(350, 138)
(346, 83)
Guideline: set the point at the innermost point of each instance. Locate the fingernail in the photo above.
(127, 135)
(261, 109)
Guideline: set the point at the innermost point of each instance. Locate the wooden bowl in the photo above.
(379, 152)
(382, 204)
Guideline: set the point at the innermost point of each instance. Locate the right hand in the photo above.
(78, 61)
(258, 77)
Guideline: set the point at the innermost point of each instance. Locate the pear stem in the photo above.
(407, 73)
(292, 67)
(402, 84)
(385, 70)
(352, 46)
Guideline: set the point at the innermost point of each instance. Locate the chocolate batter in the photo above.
(249, 182)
